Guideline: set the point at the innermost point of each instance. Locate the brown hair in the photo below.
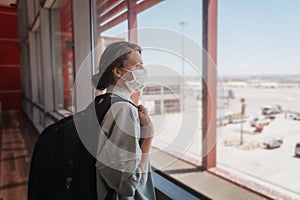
(113, 56)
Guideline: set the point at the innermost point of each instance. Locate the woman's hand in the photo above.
(145, 122)
(147, 135)
(144, 116)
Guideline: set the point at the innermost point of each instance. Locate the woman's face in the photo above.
(134, 61)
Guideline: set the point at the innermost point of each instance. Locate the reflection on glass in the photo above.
(63, 55)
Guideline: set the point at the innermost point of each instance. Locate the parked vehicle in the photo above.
(271, 109)
(260, 121)
(273, 143)
(271, 117)
(297, 149)
(258, 129)
(295, 116)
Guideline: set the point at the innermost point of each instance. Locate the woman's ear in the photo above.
(117, 72)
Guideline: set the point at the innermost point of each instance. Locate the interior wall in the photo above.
(10, 83)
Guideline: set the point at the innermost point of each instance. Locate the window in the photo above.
(37, 79)
(261, 68)
(172, 89)
(63, 55)
(172, 55)
(151, 90)
(171, 106)
(110, 26)
(36, 4)
(40, 88)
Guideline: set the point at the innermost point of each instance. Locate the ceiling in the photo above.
(7, 2)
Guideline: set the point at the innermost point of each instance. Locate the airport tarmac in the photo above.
(278, 167)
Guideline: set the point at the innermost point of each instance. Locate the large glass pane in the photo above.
(39, 68)
(63, 55)
(172, 55)
(37, 5)
(105, 38)
(259, 63)
(110, 27)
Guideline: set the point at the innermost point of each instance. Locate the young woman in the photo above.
(123, 168)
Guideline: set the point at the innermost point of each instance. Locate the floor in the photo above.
(203, 182)
(17, 139)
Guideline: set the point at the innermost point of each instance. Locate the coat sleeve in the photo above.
(119, 157)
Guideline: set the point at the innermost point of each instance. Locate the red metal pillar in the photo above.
(209, 83)
(132, 20)
(132, 32)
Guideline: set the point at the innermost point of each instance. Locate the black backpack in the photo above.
(62, 167)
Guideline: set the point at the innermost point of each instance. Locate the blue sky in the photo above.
(259, 36)
(254, 36)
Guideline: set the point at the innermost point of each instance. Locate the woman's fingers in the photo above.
(141, 108)
(143, 115)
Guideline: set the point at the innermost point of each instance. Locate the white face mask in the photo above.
(137, 81)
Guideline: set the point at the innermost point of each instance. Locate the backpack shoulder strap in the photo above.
(117, 98)
(103, 103)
